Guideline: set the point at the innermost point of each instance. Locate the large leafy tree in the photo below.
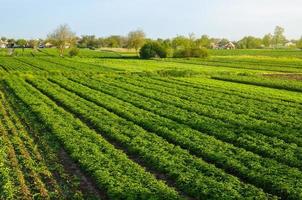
(267, 40)
(34, 44)
(299, 43)
(204, 41)
(117, 41)
(136, 39)
(88, 41)
(22, 43)
(62, 38)
(181, 42)
(279, 39)
(249, 42)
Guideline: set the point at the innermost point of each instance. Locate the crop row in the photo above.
(11, 64)
(112, 170)
(279, 53)
(268, 146)
(235, 160)
(233, 103)
(209, 99)
(197, 117)
(29, 172)
(264, 61)
(35, 162)
(238, 65)
(261, 81)
(78, 65)
(190, 174)
(46, 66)
(253, 94)
(87, 53)
(7, 186)
(261, 94)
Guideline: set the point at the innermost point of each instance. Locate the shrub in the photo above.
(182, 53)
(152, 50)
(191, 52)
(170, 52)
(199, 53)
(74, 52)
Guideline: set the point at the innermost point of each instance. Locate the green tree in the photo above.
(74, 52)
(249, 42)
(33, 44)
(136, 39)
(115, 41)
(181, 42)
(152, 50)
(204, 41)
(267, 40)
(191, 52)
(279, 39)
(299, 43)
(62, 38)
(88, 41)
(22, 43)
(223, 42)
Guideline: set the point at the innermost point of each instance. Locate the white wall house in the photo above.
(230, 45)
(3, 44)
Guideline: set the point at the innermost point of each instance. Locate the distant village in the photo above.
(14, 44)
(275, 40)
(41, 44)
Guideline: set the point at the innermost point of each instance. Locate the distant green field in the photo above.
(104, 125)
(259, 52)
(84, 53)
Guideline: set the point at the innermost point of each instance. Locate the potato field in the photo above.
(104, 126)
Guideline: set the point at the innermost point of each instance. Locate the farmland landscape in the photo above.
(151, 100)
(104, 126)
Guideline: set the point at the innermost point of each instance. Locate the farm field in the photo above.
(104, 125)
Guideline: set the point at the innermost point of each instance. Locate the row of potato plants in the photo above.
(263, 81)
(242, 163)
(34, 171)
(186, 95)
(45, 66)
(263, 111)
(283, 98)
(261, 126)
(275, 53)
(191, 175)
(19, 182)
(39, 175)
(79, 65)
(12, 65)
(63, 180)
(112, 170)
(7, 186)
(264, 61)
(237, 65)
(238, 135)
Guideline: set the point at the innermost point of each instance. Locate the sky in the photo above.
(230, 19)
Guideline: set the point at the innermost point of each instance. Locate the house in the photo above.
(214, 45)
(223, 45)
(48, 45)
(3, 44)
(229, 45)
(290, 44)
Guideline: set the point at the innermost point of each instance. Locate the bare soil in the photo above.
(297, 77)
(86, 183)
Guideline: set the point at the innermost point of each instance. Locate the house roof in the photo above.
(3, 42)
(230, 44)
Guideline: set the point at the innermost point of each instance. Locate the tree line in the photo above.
(180, 46)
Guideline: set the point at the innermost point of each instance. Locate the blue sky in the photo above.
(232, 19)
